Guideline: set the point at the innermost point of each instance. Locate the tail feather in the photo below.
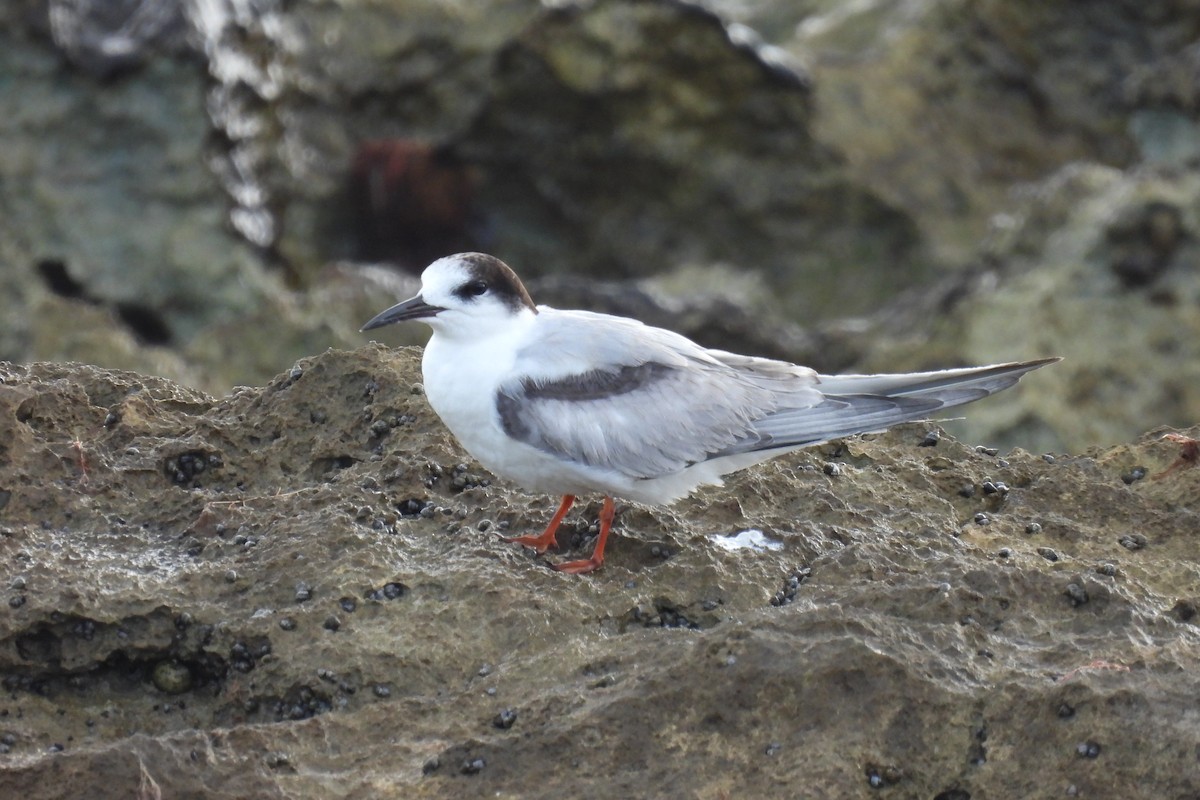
(992, 378)
(869, 403)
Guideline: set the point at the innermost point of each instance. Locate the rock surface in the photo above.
(298, 591)
(944, 108)
(1096, 265)
(181, 179)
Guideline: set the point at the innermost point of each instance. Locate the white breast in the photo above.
(460, 384)
(461, 378)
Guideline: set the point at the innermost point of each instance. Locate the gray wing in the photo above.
(646, 402)
(638, 400)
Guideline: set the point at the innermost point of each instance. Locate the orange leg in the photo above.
(542, 543)
(589, 564)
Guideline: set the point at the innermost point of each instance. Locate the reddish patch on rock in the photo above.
(412, 201)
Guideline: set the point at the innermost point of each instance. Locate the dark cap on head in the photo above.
(499, 279)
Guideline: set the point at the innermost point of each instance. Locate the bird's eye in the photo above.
(473, 289)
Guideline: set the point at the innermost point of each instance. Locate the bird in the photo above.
(567, 402)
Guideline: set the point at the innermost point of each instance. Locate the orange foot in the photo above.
(542, 543)
(587, 565)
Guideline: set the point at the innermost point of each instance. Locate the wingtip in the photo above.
(1020, 366)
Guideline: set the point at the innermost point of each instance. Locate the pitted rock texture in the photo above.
(299, 590)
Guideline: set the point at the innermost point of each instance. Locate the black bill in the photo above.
(413, 308)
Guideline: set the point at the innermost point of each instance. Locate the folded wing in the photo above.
(645, 402)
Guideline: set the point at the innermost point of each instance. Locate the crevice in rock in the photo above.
(146, 324)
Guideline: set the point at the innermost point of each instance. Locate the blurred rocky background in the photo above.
(210, 189)
(255, 567)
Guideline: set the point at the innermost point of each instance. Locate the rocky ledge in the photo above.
(299, 591)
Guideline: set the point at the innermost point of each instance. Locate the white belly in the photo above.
(460, 384)
(462, 392)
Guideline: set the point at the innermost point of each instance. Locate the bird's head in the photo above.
(468, 294)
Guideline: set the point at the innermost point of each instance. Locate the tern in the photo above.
(571, 402)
